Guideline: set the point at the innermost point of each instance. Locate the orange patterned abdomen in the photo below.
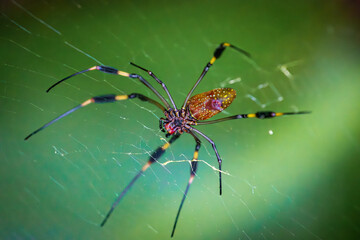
(205, 105)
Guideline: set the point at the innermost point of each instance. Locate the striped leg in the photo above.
(217, 54)
(99, 99)
(260, 115)
(112, 70)
(192, 175)
(153, 157)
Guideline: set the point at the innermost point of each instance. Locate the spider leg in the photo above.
(112, 70)
(153, 158)
(218, 51)
(260, 115)
(161, 124)
(215, 150)
(99, 99)
(193, 169)
(159, 81)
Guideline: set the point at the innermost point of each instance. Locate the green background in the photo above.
(300, 182)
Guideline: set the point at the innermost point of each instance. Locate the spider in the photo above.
(194, 111)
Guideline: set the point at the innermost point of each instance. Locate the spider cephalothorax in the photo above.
(193, 112)
(176, 122)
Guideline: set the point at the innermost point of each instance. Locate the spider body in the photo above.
(194, 111)
(199, 107)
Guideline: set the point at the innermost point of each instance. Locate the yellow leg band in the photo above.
(121, 97)
(146, 166)
(87, 102)
(191, 179)
(166, 145)
(125, 74)
(196, 155)
(212, 60)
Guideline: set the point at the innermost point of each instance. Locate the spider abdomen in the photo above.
(205, 105)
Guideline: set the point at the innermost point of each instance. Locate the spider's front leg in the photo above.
(159, 81)
(99, 99)
(217, 54)
(111, 70)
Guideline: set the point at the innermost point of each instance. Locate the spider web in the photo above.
(61, 182)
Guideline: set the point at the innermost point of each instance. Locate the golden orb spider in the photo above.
(193, 112)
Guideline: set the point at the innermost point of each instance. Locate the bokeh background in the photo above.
(294, 177)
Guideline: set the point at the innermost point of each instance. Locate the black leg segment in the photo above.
(193, 169)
